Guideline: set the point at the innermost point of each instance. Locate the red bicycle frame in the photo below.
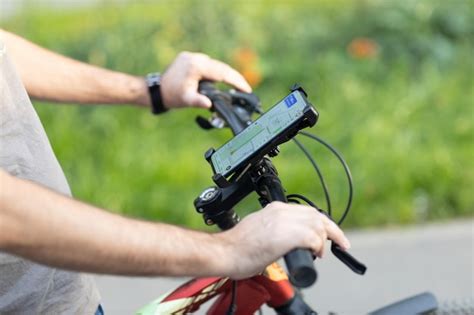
(272, 288)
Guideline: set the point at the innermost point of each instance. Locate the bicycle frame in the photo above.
(272, 288)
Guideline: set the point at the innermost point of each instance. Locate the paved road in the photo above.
(401, 262)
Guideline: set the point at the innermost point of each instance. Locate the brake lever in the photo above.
(347, 259)
(203, 123)
(213, 122)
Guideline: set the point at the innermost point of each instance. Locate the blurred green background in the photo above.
(392, 80)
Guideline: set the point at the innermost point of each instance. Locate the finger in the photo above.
(321, 233)
(333, 231)
(335, 234)
(219, 71)
(316, 245)
(322, 248)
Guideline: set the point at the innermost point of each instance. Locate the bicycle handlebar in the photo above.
(221, 103)
(299, 262)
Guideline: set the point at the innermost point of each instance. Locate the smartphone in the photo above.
(278, 125)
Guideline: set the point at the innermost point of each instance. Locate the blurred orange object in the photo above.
(253, 76)
(247, 63)
(245, 56)
(363, 48)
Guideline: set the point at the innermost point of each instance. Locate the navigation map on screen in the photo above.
(259, 133)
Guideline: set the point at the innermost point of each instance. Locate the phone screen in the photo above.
(259, 133)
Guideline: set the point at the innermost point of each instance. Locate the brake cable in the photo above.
(318, 171)
(346, 170)
(295, 197)
(233, 301)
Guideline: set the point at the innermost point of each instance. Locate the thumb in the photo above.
(194, 98)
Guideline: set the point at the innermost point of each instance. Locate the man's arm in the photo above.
(52, 229)
(50, 76)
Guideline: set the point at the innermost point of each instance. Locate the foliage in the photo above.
(392, 80)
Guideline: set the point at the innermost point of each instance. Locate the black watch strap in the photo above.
(153, 81)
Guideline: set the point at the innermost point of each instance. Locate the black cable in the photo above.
(346, 169)
(318, 171)
(290, 200)
(233, 306)
(305, 199)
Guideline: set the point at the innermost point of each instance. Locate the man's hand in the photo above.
(179, 85)
(265, 236)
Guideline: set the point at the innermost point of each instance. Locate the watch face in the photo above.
(153, 79)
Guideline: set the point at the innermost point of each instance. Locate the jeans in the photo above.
(100, 310)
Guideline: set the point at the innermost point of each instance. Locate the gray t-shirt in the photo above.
(25, 152)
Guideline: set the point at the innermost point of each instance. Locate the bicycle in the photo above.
(274, 286)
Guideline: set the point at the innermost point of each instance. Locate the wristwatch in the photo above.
(153, 81)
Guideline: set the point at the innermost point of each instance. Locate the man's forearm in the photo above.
(50, 76)
(49, 228)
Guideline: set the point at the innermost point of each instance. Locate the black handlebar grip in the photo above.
(222, 104)
(301, 269)
(299, 262)
(206, 87)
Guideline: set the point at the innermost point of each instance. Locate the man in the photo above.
(41, 222)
